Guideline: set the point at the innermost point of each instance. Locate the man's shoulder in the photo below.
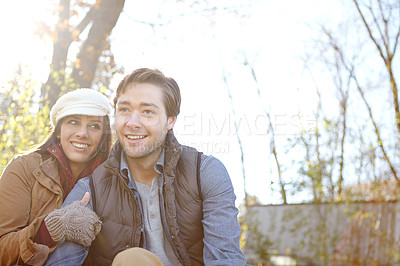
(188, 154)
(210, 162)
(188, 149)
(206, 159)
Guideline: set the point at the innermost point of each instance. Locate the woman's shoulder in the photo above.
(29, 160)
(29, 156)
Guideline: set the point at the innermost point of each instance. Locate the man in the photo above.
(153, 192)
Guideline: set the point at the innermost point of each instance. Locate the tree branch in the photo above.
(350, 69)
(369, 31)
(86, 20)
(271, 131)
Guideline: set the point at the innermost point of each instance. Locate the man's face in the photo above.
(141, 121)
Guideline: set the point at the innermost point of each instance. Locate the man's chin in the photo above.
(136, 152)
(133, 153)
(140, 152)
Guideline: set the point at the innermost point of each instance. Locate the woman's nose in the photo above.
(82, 132)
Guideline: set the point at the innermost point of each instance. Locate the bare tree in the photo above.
(341, 80)
(350, 68)
(271, 131)
(382, 22)
(239, 140)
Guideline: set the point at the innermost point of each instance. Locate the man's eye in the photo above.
(73, 122)
(122, 109)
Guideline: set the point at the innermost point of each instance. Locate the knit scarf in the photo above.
(64, 170)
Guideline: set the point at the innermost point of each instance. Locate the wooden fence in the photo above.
(325, 234)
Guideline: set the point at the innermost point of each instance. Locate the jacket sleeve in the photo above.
(77, 193)
(220, 221)
(16, 229)
(70, 253)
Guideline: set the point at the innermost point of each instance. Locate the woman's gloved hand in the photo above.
(74, 222)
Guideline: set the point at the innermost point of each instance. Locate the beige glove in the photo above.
(75, 223)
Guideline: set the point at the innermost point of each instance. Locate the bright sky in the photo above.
(196, 51)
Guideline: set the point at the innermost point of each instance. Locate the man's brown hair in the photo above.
(171, 92)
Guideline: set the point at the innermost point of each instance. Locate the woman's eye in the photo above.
(95, 126)
(148, 112)
(73, 122)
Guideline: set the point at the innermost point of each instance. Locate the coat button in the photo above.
(38, 173)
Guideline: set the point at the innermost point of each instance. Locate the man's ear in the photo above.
(171, 122)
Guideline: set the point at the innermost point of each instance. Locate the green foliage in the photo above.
(319, 169)
(23, 125)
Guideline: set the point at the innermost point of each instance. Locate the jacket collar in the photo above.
(50, 168)
(173, 151)
(114, 159)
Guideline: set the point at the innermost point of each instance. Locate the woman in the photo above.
(34, 184)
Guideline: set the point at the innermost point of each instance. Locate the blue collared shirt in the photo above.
(220, 223)
(124, 170)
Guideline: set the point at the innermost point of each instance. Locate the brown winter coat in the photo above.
(29, 190)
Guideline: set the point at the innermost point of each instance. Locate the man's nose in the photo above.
(133, 121)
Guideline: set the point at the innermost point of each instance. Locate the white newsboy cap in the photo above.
(80, 102)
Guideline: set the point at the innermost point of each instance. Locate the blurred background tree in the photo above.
(89, 24)
(361, 138)
(23, 124)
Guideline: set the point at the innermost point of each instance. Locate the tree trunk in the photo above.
(386, 52)
(105, 18)
(51, 89)
(103, 15)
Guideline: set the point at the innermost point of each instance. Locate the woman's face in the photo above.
(79, 136)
